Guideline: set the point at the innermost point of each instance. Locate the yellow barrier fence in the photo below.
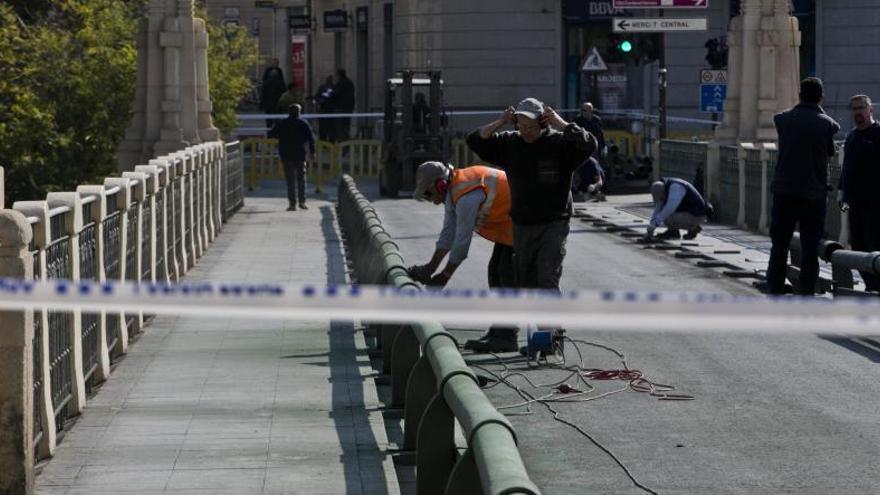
(359, 158)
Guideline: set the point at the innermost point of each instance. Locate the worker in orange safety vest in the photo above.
(475, 199)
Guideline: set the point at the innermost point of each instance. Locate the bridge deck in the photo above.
(227, 406)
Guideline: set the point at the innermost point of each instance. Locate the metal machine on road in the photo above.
(415, 129)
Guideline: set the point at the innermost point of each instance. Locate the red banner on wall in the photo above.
(298, 62)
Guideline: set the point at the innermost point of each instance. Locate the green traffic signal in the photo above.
(625, 46)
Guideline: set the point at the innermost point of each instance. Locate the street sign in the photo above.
(712, 94)
(593, 62)
(299, 21)
(709, 76)
(661, 4)
(659, 25)
(335, 20)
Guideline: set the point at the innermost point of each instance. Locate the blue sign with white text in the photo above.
(712, 97)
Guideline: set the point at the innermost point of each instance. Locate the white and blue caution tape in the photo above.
(606, 310)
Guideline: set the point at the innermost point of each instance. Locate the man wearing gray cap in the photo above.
(539, 157)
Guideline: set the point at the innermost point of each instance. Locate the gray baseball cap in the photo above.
(530, 107)
(426, 175)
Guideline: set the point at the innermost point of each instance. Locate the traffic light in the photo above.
(716, 53)
(625, 46)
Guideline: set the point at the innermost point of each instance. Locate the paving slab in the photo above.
(214, 406)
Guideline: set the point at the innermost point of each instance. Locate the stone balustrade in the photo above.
(148, 225)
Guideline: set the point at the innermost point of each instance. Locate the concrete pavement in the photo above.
(773, 414)
(215, 406)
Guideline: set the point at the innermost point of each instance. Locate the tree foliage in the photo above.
(67, 82)
(232, 52)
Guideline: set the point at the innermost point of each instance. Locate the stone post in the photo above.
(72, 227)
(123, 200)
(39, 211)
(16, 363)
(155, 196)
(99, 213)
(172, 211)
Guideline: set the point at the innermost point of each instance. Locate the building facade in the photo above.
(495, 52)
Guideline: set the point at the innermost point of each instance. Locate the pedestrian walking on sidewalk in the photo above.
(294, 135)
(474, 199)
(677, 205)
(800, 187)
(539, 157)
(857, 192)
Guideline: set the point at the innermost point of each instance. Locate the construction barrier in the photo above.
(359, 158)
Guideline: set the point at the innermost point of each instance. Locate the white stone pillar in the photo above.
(72, 226)
(16, 363)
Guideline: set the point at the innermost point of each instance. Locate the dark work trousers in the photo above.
(502, 274)
(540, 250)
(809, 214)
(864, 235)
(295, 175)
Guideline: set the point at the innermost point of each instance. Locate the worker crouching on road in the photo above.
(475, 199)
(588, 179)
(539, 158)
(677, 205)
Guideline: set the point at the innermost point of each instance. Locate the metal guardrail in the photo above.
(429, 377)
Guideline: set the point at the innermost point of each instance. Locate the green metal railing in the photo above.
(429, 377)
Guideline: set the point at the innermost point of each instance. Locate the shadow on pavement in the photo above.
(349, 410)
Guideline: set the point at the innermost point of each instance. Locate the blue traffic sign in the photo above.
(712, 97)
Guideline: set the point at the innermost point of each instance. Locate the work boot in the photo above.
(692, 233)
(291, 208)
(670, 234)
(495, 340)
(302, 206)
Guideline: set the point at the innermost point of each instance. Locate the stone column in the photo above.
(207, 131)
(763, 70)
(16, 363)
(188, 100)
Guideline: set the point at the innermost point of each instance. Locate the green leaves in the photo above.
(67, 82)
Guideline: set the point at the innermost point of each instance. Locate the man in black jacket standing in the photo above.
(800, 186)
(343, 102)
(294, 134)
(539, 159)
(590, 122)
(859, 180)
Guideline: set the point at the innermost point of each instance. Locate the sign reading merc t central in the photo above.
(659, 25)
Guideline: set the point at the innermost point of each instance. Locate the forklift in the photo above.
(415, 129)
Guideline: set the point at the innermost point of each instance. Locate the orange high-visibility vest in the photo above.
(493, 217)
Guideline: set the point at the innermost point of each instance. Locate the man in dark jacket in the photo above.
(272, 89)
(293, 135)
(859, 180)
(800, 186)
(591, 123)
(539, 159)
(343, 102)
(324, 100)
